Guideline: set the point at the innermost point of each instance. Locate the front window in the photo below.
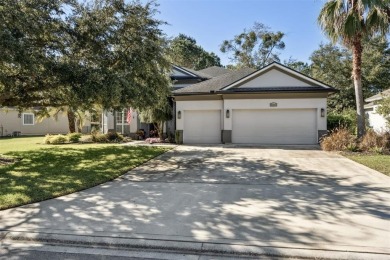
(28, 118)
(121, 117)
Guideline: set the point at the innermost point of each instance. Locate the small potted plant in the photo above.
(141, 134)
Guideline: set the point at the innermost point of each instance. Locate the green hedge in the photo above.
(338, 121)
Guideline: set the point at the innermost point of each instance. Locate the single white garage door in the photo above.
(202, 127)
(275, 126)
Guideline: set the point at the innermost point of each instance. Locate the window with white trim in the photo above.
(121, 117)
(28, 118)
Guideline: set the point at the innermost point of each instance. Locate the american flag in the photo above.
(128, 116)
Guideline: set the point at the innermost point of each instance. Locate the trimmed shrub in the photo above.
(374, 142)
(127, 139)
(47, 139)
(339, 140)
(99, 138)
(114, 137)
(74, 137)
(58, 139)
(86, 139)
(339, 121)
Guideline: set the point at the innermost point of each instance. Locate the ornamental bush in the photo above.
(58, 139)
(374, 142)
(338, 121)
(339, 139)
(99, 138)
(74, 137)
(114, 137)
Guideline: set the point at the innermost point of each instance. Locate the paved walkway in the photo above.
(296, 201)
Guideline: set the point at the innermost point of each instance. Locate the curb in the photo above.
(190, 247)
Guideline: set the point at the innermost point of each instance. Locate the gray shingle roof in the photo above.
(214, 71)
(198, 73)
(378, 96)
(216, 83)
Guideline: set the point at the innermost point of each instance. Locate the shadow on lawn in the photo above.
(206, 197)
(47, 173)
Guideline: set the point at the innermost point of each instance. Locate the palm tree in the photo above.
(349, 22)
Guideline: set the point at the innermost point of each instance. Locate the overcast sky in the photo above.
(212, 21)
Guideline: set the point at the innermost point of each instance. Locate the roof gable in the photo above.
(379, 96)
(179, 72)
(276, 75)
(274, 78)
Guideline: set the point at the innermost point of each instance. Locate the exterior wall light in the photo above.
(179, 115)
(227, 113)
(322, 112)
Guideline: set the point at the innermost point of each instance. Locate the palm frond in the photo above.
(343, 20)
(377, 21)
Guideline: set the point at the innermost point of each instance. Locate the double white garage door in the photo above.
(274, 126)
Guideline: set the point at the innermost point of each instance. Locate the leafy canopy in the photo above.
(255, 47)
(185, 52)
(31, 42)
(105, 52)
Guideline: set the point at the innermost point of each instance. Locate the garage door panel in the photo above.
(296, 126)
(202, 126)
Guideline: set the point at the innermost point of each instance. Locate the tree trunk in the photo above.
(71, 121)
(161, 130)
(79, 127)
(357, 81)
(115, 121)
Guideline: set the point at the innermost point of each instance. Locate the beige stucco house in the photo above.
(12, 123)
(181, 78)
(273, 105)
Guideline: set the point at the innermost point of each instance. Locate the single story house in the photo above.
(13, 123)
(375, 120)
(273, 105)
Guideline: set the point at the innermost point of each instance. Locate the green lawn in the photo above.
(381, 163)
(48, 171)
(21, 144)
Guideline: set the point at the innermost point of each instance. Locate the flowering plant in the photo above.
(153, 140)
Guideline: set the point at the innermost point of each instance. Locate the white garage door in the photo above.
(282, 126)
(202, 126)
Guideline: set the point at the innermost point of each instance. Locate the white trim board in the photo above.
(280, 67)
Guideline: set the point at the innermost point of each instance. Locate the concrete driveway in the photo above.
(226, 198)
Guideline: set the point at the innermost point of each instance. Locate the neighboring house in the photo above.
(13, 123)
(375, 120)
(273, 105)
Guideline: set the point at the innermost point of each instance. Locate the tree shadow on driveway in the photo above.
(220, 195)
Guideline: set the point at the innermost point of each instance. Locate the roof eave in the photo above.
(279, 91)
(255, 92)
(371, 99)
(193, 93)
(282, 67)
